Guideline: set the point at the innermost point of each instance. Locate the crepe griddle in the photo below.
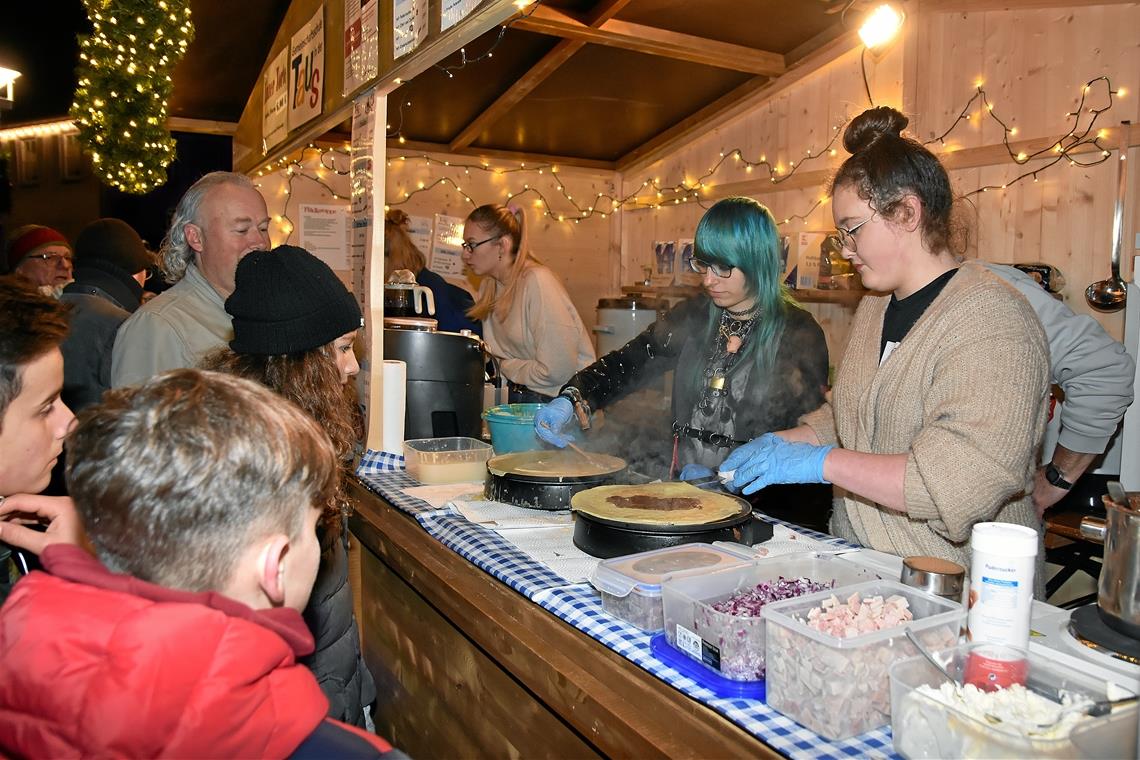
(548, 491)
(605, 538)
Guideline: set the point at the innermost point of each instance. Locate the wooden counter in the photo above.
(467, 667)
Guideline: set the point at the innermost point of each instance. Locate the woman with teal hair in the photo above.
(748, 359)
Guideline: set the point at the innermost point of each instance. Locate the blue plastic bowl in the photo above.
(512, 427)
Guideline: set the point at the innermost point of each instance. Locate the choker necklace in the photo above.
(748, 313)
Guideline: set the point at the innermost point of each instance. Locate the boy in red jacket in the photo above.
(198, 493)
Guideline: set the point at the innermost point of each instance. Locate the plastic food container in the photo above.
(733, 645)
(446, 460)
(840, 687)
(925, 727)
(631, 585)
(512, 427)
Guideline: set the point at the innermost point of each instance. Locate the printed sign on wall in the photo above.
(446, 250)
(361, 45)
(275, 101)
(306, 70)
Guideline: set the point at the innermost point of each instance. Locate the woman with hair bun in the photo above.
(938, 405)
(529, 323)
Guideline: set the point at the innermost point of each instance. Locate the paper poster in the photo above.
(419, 230)
(454, 11)
(361, 42)
(685, 273)
(306, 70)
(409, 25)
(275, 101)
(664, 261)
(324, 233)
(446, 249)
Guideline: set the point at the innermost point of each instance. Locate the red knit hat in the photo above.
(27, 239)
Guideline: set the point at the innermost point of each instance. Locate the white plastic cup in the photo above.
(1001, 583)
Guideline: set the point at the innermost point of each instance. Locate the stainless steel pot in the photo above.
(1118, 593)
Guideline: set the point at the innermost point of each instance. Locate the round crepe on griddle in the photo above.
(554, 463)
(668, 503)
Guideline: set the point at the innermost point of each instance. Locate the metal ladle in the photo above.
(1110, 294)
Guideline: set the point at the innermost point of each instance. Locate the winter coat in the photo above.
(337, 662)
(102, 297)
(754, 405)
(100, 664)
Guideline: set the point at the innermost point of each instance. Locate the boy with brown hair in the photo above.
(200, 494)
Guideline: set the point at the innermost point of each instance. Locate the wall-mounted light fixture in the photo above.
(7, 78)
(881, 26)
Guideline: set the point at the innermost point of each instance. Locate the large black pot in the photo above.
(444, 394)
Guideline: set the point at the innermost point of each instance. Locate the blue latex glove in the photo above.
(551, 418)
(770, 459)
(693, 471)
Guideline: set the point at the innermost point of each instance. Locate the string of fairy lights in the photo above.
(1081, 140)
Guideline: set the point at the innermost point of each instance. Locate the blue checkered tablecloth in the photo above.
(580, 606)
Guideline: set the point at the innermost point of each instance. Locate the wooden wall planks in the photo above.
(1032, 63)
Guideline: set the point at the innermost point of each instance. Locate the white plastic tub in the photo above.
(926, 727)
(631, 585)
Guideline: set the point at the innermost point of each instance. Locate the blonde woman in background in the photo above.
(451, 301)
(529, 323)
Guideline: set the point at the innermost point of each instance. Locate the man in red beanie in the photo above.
(42, 255)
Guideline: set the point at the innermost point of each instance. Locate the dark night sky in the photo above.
(38, 39)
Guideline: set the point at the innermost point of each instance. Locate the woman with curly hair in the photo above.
(294, 328)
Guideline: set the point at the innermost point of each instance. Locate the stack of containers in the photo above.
(733, 646)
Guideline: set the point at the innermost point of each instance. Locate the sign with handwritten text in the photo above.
(306, 70)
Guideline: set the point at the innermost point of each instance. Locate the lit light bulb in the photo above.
(881, 26)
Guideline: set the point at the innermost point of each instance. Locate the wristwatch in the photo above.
(1056, 478)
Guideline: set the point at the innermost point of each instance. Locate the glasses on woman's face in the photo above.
(700, 267)
(470, 247)
(847, 236)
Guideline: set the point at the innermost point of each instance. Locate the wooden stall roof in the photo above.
(604, 83)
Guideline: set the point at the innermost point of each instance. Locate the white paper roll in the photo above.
(395, 388)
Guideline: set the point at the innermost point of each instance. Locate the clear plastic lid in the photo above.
(645, 571)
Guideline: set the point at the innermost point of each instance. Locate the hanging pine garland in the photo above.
(124, 81)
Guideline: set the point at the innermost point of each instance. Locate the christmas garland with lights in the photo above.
(123, 84)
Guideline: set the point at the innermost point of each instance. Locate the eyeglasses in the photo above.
(700, 267)
(470, 247)
(847, 237)
(54, 258)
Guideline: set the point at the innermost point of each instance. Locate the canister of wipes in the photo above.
(1000, 600)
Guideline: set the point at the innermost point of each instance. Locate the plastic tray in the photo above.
(446, 460)
(840, 687)
(732, 646)
(926, 727)
(631, 585)
(686, 666)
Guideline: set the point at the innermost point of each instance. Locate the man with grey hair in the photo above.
(219, 220)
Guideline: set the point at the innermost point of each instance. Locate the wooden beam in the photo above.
(739, 101)
(653, 41)
(412, 146)
(538, 73)
(201, 126)
(980, 6)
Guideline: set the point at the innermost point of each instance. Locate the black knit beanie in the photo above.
(113, 241)
(286, 301)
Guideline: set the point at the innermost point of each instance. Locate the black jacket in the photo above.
(337, 662)
(101, 298)
(755, 404)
